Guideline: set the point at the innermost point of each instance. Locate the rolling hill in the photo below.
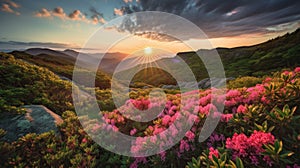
(257, 60)
(62, 63)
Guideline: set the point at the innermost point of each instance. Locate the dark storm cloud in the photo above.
(221, 18)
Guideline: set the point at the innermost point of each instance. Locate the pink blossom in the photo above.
(196, 110)
(133, 131)
(233, 93)
(241, 109)
(184, 146)
(205, 100)
(112, 121)
(158, 130)
(212, 152)
(297, 70)
(286, 73)
(84, 140)
(165, 120)
(265, 100)
(136, 149)
(251, 147)
(238, 143)
(174, 131)
(115, 129)
(190, 135)
(226, 117)
(267, 80)
(163, 136)
(230, 103)
(153, 139)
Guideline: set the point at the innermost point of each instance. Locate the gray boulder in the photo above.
(38, 119)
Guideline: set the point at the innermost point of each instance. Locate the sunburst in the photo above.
(148, 50)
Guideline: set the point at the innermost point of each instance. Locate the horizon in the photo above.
(95, 51)
(64, 25)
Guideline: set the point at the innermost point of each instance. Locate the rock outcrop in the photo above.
(38, 119)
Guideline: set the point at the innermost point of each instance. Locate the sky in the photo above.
(62, 24)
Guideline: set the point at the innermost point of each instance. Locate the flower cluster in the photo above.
(251, 147)
(192, 108)
(213, 152)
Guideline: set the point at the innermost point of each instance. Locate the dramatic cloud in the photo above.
(59, 12)
(218, 18)
(76, 15)
(155, 36)
(43, 13)
(118, 11)
(6, 8)
(96, 20)
(8, 5)
(97, 17)
(13, 4)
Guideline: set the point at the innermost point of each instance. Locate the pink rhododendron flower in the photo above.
(233, 93)
(133, 131)
(212, 152)
(190, 135)
(226, 117)
(230, 103)
(285, 72)
(84, 140)
(184, 146)
(267, 80)
(242, 109)
(166, 120)
(251, 147)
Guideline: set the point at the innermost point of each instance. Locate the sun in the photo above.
(148, 50)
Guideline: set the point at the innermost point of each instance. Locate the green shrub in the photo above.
(240, 82)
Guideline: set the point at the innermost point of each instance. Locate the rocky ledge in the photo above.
(38, 119)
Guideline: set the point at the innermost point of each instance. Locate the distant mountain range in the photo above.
(108, 62)
(257, 60)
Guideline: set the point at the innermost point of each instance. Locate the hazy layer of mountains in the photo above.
(256, 60)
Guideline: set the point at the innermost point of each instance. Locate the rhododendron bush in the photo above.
(259, 127)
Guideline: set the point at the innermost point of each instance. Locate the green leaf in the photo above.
(260, 128)
(239, 163)
(286, 154)
(232, 164)
(276, 145)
